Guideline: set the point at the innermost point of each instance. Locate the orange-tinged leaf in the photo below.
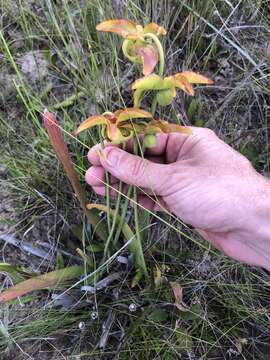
(131, 113)
(152, 82)
(179, 129)
(122, 27)
(45, 281)
(182, 83)
(100, 207)
(149, 57)
(154, 29)
(139, 128)
(194, 78)
(178, 293)
(114, 134)
(92, 121)
(155, 126)
(178, 296)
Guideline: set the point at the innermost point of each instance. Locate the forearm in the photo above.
(258, 227)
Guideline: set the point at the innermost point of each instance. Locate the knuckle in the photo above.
(209, 132)
(246, 163)
(138, 168)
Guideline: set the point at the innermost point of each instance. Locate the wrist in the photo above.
(258, 222)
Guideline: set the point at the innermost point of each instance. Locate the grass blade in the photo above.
(135, 246)
(44, 281)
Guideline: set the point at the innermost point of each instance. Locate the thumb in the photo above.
(134, 170)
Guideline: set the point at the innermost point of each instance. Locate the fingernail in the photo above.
(112, 155)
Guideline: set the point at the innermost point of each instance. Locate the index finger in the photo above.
(160, 147)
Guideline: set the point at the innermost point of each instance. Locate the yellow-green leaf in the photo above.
(165, 97)
(137, 97)
(152, 82)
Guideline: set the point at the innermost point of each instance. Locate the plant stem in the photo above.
(161, 65)
(117, 206)
(123, 215)
(154, 105)
(135, 204)
(106, 185)
(126, 48)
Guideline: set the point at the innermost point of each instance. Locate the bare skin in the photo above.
(204, 182)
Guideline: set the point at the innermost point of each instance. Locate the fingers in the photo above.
(113, 189)
(159, 149)
(144, 201)
(168, 144)
(149, 203)
(134, 170)
(95, 176)
(94, 154)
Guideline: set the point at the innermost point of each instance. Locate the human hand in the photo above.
(204, 182)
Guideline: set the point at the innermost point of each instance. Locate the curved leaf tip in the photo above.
(194, 78)
(90, 122)
(121, 27)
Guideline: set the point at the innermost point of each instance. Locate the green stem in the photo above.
(136, 144)
(107, 186)
(160, 51)
(115, 217)
(114, 222)
(154, 105)
(161, 65)
(126, 48)
(123, 215)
